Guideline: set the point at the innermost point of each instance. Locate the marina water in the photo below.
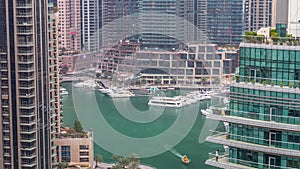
(171, 158)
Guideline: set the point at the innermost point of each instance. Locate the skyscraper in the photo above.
(264, 111)
(70, 30)
(159, 24)
(89, 25)
(26, 137)
(119, 20)
(260, 13)
(225, 21)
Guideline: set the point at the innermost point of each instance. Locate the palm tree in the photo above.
(131, 162)
(98, 158)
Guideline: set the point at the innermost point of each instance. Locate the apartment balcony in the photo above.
(268, 146)
(30, 164)
(26, 86)
(7, 155)
(26, 52)
(27, 114)
(225, 161)
(28, 123)
(26, 69)
(254, 119)
(27, 131)
(24, 23)
(24, 14)
(28, 148)
(28, 139)
(28, 155)
(25, 32)
(24, 5)
(26, 78)
(25, 60)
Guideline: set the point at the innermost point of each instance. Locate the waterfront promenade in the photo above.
(108, 166)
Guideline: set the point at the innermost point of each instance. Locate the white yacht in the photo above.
(120, 94)
(105, 91)
(86, 84)
(206, 111)
(166, 102)
(63, 91)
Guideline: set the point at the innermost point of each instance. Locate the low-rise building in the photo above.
(76, 149)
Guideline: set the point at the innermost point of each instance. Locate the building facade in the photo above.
(26, 138)
(70, 27)
(119, 20)
(260, 13)
(225, 21)
(76, 149)
(89, 25)
(264, 111)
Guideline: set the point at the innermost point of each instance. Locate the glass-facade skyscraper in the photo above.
(264, 111)
(225, 21)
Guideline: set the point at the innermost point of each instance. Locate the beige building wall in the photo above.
(81, 150)
(69, 18)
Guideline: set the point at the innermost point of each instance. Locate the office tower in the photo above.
(89, 25)
(26, 138)
(264, 111)
(70, 30)
(119, 20)
(195, 13)
(225, 21)
(159, 24)
(260, 13)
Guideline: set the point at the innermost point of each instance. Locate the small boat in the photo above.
(63, 91)
(185, 159)
(121, 94)
(206, 112)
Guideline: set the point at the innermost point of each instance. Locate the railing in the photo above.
(258, 141)
(257, 116)
(225, 158)
(260, 39)
(24, 5)
(261, 81)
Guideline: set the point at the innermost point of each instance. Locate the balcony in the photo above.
(254, 119)
(24, 4)
(27, 114)
(25, 32)
(267, 146)
(28, 155)
(25, 60)
(24, 14)
(29, 164)
(26, 78)
(28, 123)
(28, 139)
(27, 105)
(28, 148)
(26, 69)
(25, 52)
(225, 161)
(28, 131)
(267, 84)
(26, 86)
(24, 23)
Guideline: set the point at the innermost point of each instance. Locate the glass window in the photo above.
(65, 153)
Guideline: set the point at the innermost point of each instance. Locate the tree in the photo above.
(98, 158)
(62, 165)
(78, 126)
(65, 69)
(131, 162)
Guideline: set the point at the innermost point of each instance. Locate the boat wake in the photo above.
(173, 151)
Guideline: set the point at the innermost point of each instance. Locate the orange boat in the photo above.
(185, 159)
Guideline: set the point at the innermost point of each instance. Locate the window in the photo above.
(65, 153)
(84, 147)
(84, 153)
(84, 159)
